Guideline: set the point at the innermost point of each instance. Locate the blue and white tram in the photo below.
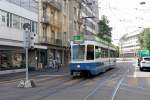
(91, 57)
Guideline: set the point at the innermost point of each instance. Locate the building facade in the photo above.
(53, 28)
(89, 16)
(12, 53)
(31, 5)
(129, 45)
(83, 17)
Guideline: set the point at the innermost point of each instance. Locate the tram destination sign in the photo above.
(78, 39)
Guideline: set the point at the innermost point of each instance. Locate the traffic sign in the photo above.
(78, 38)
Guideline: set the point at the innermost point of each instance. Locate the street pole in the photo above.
(28, 40)
(79, 15)
(27, 65)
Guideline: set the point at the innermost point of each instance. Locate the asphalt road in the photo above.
(123, 82)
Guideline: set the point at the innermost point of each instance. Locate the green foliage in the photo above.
(117, 51)
(144, 39)
(104, 31)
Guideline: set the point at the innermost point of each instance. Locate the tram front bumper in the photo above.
(81, 66)
(94, 68)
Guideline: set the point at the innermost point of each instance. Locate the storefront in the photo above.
(59, 52)
(11, 58)
(14, 58)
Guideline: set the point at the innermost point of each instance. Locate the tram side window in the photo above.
(90, 52)
(97, 52)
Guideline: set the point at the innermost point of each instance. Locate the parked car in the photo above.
(145, 63)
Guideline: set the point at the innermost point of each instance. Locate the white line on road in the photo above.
(139, 87)
(129, 90)
(54, 75)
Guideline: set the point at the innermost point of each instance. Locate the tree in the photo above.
(144, 39)
(104, 29)
(117, 51)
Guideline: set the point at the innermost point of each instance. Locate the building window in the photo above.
(32, 26)
(8, 20)
(22, 22)
(3, 19)
(16, 22)
(75, 11)
(3, 16)
(75, 27)
(11, 20)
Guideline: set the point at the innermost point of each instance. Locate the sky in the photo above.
(125, 16)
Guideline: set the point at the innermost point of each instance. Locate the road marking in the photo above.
(142, 74)
(129, 90)
(50, 82)
(33, 78)
(54, 75)
(139, 87)
(11, 81)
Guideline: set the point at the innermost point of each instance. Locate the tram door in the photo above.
(90, 52)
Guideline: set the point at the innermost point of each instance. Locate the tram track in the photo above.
(81, 80)
(46, 88)
(64, 83)
(110, 78)
(52, 89)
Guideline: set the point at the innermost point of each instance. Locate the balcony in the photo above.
(46, 40)
(58, 42)
(49, 40)
(45, 20)
(56, 4)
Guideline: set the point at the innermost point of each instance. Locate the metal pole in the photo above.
(27, 73)
(85, 27)
(79, 14)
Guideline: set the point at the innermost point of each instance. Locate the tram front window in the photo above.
(78, 52)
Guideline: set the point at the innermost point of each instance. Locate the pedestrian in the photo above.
(58, 63)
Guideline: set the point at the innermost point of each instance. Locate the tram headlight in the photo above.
(78, 66)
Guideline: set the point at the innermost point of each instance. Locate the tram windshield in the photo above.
(78, 52)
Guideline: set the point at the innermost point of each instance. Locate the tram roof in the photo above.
(91, 39)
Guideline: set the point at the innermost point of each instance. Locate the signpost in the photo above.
(28, 43)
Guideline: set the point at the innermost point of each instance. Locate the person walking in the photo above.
(58, 63)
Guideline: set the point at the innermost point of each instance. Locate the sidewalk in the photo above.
(14, 76)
